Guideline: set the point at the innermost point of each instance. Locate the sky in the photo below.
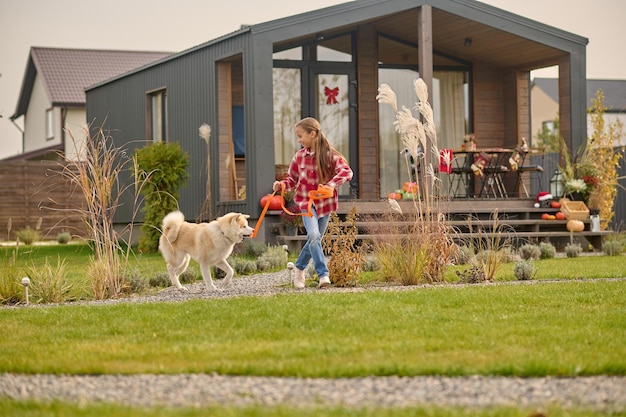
(165, 25)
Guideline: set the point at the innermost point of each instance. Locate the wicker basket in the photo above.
(574, 210)
(281, 171)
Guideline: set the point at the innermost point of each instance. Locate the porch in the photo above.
(509, 221)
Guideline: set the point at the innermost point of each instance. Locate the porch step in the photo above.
(558, 238)
(515, 221)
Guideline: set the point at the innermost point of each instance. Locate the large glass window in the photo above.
(287, 112)
(392, 160)
(449, 100)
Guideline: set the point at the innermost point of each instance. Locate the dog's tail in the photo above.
(171, 225)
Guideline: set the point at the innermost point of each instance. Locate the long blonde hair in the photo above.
(322, 148)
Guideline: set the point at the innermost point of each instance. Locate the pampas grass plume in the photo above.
(388, 96)
(205, 132)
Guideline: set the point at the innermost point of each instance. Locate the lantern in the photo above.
(556, 184)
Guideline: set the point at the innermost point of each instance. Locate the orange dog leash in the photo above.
(321, 192)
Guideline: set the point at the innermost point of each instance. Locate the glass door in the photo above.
(334, 96)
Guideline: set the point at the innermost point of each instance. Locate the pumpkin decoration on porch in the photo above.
(575, 226)
(275, 203)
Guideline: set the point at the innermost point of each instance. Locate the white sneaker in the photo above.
(298, 279)
(324, 282)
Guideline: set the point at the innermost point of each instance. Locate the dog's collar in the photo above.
(227, 238)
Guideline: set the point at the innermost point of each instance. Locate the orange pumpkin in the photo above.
(394, 196)
(555, 204)
(409, 187)
(575, 226)
(560, 215)
(275, 201)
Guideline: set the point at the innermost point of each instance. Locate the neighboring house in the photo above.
(545, 103)
(53, 94)
(254, 84)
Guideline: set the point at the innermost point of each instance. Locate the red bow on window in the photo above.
(331, 95)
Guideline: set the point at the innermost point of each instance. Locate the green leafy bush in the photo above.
(162, 170)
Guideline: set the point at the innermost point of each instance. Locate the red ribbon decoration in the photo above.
(331, 95)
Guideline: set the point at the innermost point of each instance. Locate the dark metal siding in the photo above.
(191, 101)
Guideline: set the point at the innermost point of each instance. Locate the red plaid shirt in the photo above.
(303, 178)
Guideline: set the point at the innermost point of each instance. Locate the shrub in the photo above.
(275, 257)
(49, 284)
(28, 236)
(547, 250)
(529, 251)
(162, 170)
(161, 279)
(135, 281)
(63, 238)
(371, 264)
(253, 248)
(508, 254)
(524, 269)
(243, 266)
(11, 290)
(190, 276)
(573, 250)
(462, 254)
(613, 247)
(346, 260)
(472, 275)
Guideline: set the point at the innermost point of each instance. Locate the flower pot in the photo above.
(576, 196)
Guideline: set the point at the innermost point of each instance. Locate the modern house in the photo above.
(251, 86)
(544, 96)
(53, 94)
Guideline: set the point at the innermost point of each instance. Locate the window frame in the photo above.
(162, 135)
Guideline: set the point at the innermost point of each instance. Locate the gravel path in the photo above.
(601, 393)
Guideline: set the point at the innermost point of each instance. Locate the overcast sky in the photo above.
(166, 25)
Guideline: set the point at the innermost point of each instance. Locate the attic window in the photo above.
(49, 124)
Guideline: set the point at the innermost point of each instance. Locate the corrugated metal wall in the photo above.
(191, 101)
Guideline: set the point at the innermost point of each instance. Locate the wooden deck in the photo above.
(513, 221)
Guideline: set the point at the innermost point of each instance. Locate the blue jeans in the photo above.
(315, 229)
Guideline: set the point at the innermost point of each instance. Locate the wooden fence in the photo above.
(35, 191)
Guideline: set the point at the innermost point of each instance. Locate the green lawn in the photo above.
(549, 327)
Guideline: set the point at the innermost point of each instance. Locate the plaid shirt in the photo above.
(303, 178)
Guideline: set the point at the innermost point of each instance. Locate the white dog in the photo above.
(210, 244)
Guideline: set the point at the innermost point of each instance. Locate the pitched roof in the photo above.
(614, 92)
(66, 72)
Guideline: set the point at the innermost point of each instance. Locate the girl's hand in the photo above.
(277, 186)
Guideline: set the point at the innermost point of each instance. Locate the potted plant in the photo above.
(292, 222)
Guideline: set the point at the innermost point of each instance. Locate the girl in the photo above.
(317, 163)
